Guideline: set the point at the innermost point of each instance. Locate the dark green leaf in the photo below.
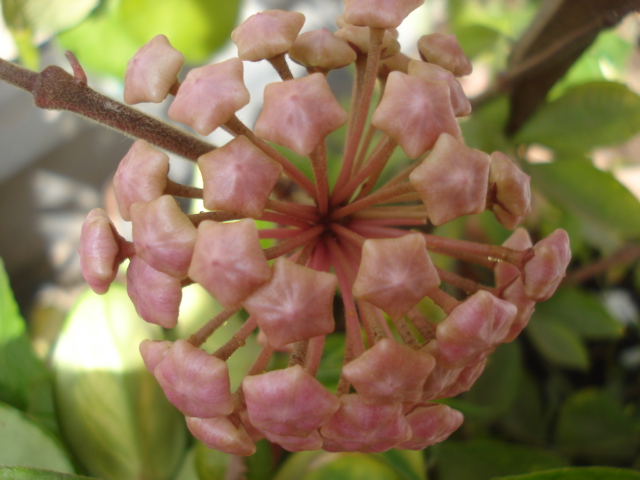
(596, 196)
(579, 473)
(529, 416)
(20, 473)
(558, 343)
(582, 312)
(25, 383)
(23, 443)
(593, 425)
(113, 413)
(485, 459)
(586, 116)
(484, 128)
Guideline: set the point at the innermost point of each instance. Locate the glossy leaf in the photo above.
(25, 382)
(593, 425)
(596, 196)
(21, 473)
(557, 343)
(486, 459)
(24, 443)
(579, 473)
(114, 415)
(586, 116)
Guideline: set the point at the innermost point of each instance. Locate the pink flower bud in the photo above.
(452, 181)
(99, 251)
(511, 190)
(474, 328)
(321, 49)
(444, 50)
(238, 177)
(465, 379)
(358, 39)
(300, 113)
(152, 72)
(141, 176)
(155, 295)
(223, 434)
(431, 424)
(194, 381)
(153, 352)
(163, 236)
(228, 260)
(267, 34)
(389, 372)
(431, 72)
(414, 113)
(544, 272)
(313, 441)
(210, 96)
(296, 304)
(378, 13)
(359, 426)
(395, 274)
(505, 272)
(288, 402)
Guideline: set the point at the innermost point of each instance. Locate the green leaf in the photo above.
(352, 466)
(484, 130)
(557, 343)
(528, 418)
(581, 312)
(20, 473)
(579, 473)
(25, 382)
(485, 459)
(586, 116)
(113, 413)
(593, 425)
(408, 464)
(596, 196)
(24, 443)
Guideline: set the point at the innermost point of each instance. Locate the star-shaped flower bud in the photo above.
(228, 260)
(396, 63)
(303, 403)
(465, 379)
(474, 328)
(395, 273)
(358, 38)
(153, 352)
(152, 72)
(313, 441)
(360, 426)
(194, 381)
(431, 72)
(431, 424)
(452, 181)
(223, 434)
(322, 50)
(504, 272)
(238, 177)
(414, 113)
(210, 96)
(141, 176)
(511, 189)
(267, 34)
(389, 372)
(99, 251)
(163, 236)
(299, 113)
(378, 13)
(155, 295)
(444, 50)
(296, 304)
(544, 272)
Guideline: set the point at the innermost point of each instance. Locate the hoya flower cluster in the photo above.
(350, 241)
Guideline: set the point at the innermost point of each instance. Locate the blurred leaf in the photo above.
(113, 413)
(46, 17)
(593, 426)
(528, 418)
(260, 465)
(579, 473)
(20, 473)
(23, 443)
(409, 464)
(557, 343)
(25, 382)
(485, 459)
(215, 465)
(211, 464)
(483, 129)
(572, 185)
(351, 466)
(581, 312)
(586, 116)
(474, 39)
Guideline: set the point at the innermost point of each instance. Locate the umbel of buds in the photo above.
(366, 245)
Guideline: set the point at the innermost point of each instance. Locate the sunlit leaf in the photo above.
(46, 17)
(26, 444)
(21, 473)
(557, 343)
